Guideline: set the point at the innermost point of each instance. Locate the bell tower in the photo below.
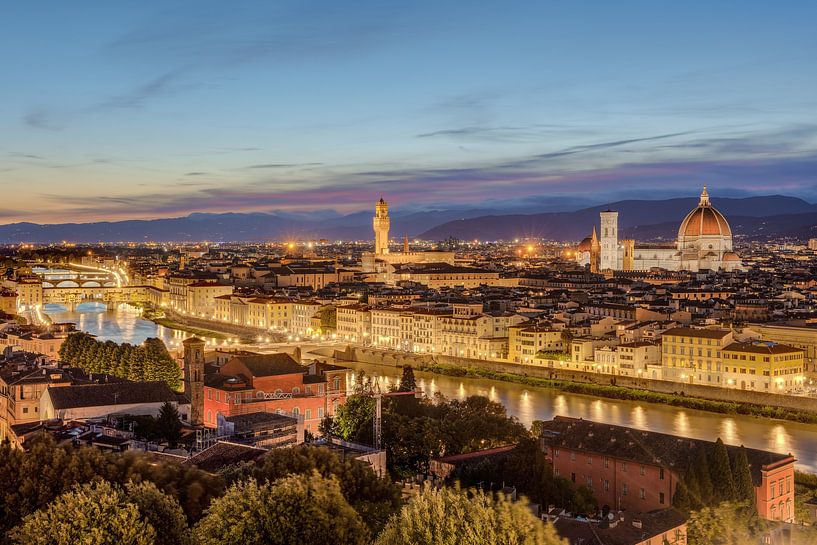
(381, 225)
(194, 378)
(609, 241)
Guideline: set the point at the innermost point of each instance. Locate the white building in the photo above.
(704, 242)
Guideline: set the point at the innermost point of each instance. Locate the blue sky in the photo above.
(116, 110)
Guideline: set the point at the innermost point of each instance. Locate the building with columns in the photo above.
(704, 242)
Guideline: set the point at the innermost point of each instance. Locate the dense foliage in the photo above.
(526, 469)
(713, 477)
(149, 362)
(374, 498)
(34, 478)
(97, 514)
(451, 517)
(297, 510)
(416, 430)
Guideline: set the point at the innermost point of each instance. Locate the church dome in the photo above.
(584, 245)
(704, 221)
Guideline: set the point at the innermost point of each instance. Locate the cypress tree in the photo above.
(703, 478)
(742, 475)
(721, 472)
(681, 500)
(407, 382)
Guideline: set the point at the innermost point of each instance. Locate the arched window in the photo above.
(259, 394)
(296, 410)
(336, 383)
(296, 390)
(278, 391)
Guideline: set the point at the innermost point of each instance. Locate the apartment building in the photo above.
(694, 355)
(763, 366)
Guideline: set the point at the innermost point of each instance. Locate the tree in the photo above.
(526, 469)
(374, 498)
(407, 382)
(703, 480)
(169, 424)
(725, 524)
(301, 509)
(742, 476)
(97, 514)
(161, 511)
(353, 419)
(33, 478)
(449, 516)
(567, 338)
(721, 472)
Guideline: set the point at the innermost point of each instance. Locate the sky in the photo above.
(116, 110)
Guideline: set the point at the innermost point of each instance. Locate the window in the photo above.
(606, 463)
(624, 489)
(296, 411)
(661, 498)
(773, 489)
(606, 485)
(661, 473)
(590, 483)
(573, 477)
(590, 460)
(296, 390)
(624, 467)
(572, 456)
(642, 470)
(642, 494)
(320, 412)
(308, 414)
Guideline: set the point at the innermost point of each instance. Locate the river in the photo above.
(125, 324)
(121, 325)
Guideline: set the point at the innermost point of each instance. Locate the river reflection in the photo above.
(124, 324)
(529, 403)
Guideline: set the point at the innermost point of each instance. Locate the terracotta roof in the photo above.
(118, 393)
(761, 347)
(266, 365)
(223, 454)
(704, 221)
(641, 446)
(694, 332)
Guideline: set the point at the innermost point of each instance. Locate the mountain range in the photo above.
(750, 217)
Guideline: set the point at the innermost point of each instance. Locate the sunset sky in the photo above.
(113, 110)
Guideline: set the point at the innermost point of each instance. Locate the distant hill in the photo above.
(641, 219)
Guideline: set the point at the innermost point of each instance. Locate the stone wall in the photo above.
(397, 359)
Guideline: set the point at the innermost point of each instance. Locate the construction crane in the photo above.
(378, 396)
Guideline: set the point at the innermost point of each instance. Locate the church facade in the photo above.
(704, 242)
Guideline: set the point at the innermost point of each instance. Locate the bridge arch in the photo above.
(91, 284)
(67, 284)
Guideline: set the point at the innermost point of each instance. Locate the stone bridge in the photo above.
(71, 296)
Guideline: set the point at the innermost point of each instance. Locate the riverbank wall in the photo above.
(218, 327)
(712, 393)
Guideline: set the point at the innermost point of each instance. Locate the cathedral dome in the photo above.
(584, 245)
(704, 221)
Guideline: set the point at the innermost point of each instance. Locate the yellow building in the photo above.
(694, 355)
(526, 340)
(762, 366)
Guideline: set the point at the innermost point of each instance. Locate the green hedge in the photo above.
(631, 394)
